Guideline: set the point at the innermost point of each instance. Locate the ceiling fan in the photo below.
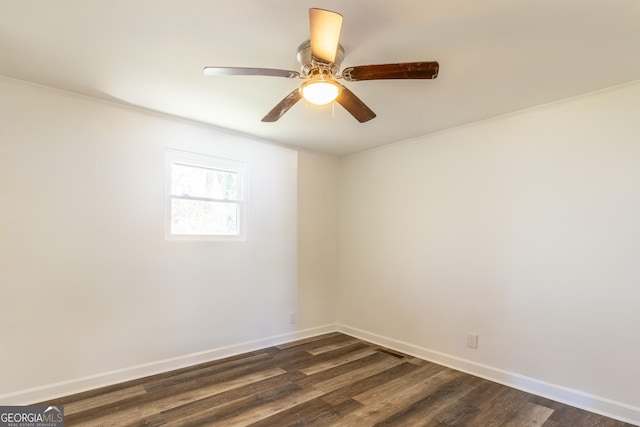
(320, 59)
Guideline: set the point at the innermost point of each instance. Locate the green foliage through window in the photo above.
(205, 199)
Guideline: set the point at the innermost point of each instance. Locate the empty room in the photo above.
(320, 213)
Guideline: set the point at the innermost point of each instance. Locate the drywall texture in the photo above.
(317, 238)
(523, 229)
(89, 285)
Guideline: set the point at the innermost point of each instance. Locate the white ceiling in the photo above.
(496, 56)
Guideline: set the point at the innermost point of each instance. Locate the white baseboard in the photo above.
(78, 385)
(600, 405)
(607, 407)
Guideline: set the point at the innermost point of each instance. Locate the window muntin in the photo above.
(206, 197)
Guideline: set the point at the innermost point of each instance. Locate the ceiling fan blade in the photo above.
(406, 70)
(283, 106)
(354, 105)
(245, 71)
(325, 28)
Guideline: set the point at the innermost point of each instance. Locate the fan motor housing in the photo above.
(310, 65)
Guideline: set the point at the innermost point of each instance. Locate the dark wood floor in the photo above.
(330, 380)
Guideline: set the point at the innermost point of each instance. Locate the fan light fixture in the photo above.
(320, 58)
(320, 91)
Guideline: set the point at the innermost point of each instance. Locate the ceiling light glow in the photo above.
(320, 91)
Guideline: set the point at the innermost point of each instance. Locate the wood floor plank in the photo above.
(300, 414)
(457, 414)
(219, 387)
(400, 385)
(339, 415)
(325, 381)
(104, 399)
(309, 340)
(348, 391)
(332, 346)
(344, 368)
(302, 363)
(155, 404)
(529, 415)
(357, 373)
(439, 400)
(337, 361)
(119, 419)
(186, 376)
(483, 394)
(252, 409)
(224, 412)
(396, 405)
(315, 342)
(500, 408)
(255, 388)
(566, 415)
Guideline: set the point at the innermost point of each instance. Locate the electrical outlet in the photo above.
(472, 340)
(292, 318)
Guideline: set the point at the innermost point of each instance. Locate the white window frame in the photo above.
(172, 157)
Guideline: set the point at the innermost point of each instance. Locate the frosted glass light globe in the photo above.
(320, 92)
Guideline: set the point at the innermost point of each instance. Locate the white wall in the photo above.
(524, 229)
(91, 291)
(317, 238)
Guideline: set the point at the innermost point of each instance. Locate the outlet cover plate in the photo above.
(472, 340)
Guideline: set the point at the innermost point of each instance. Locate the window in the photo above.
(206, 197)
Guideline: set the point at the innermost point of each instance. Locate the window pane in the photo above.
(195, 217)
(202, 182)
